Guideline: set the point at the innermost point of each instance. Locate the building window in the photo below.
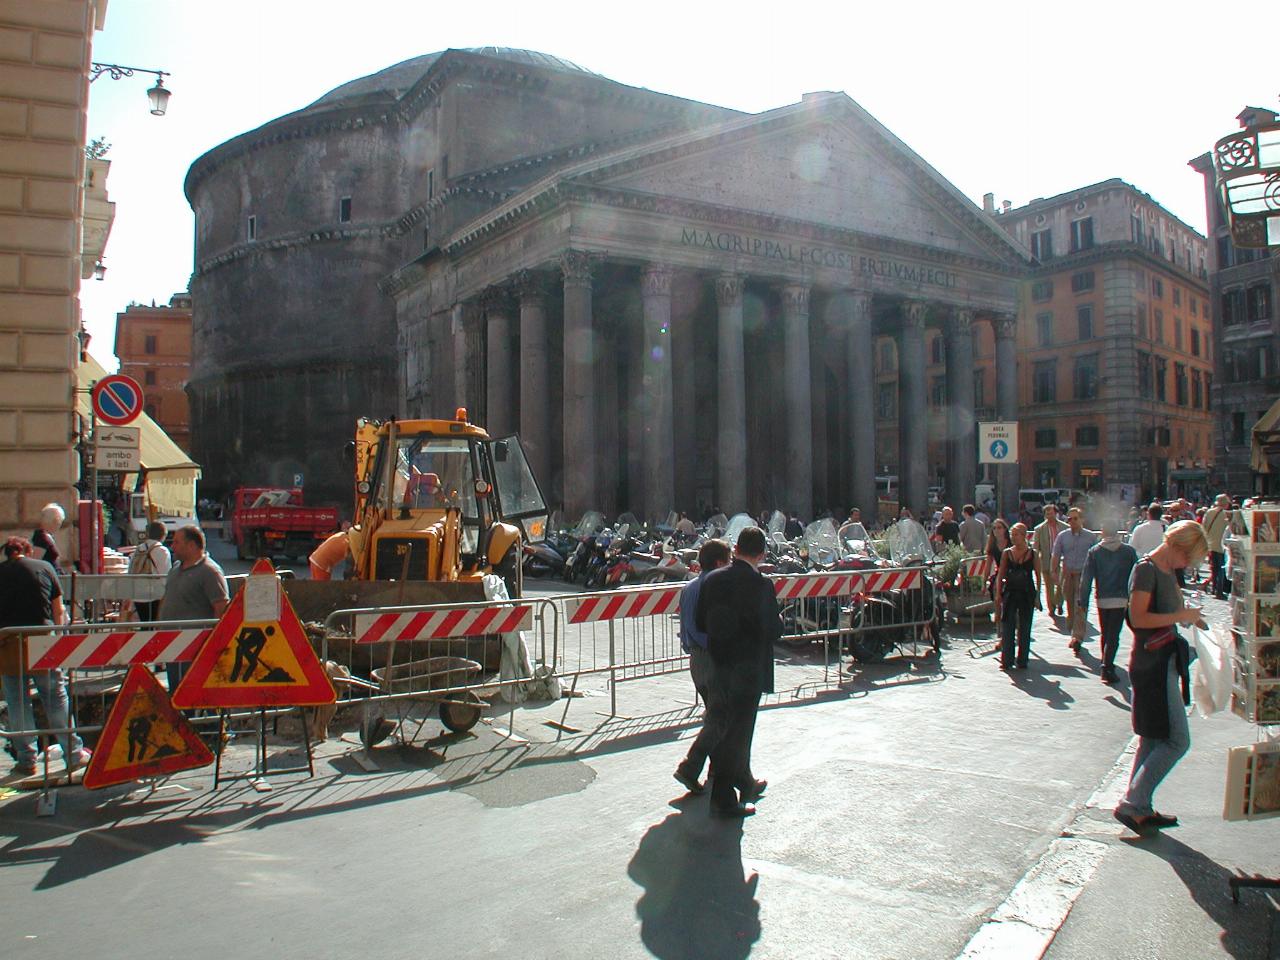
(1197, 390)
(886, 400)
(935, 349)
(1044, 329)
(1086, 436)
(1180, 384)
(1162, 368)
(1089, 474)
(1143, 332)
(886, 356)
(1080, 282)
(938, 392)
(1208, 390)
(1264, 363)
(1135, 229)
(1232, 307)
(1195, 309)
(1084, 322)
(1042, 245)
(1046, 439)
(1237, 428)
(1259, 302)
(1046, 472)
(1195, 342)
(1177, 296)
(344, 210)
(251, 228)
(1085, 378)
(150, 343)
(1144, 375)
(1158, 437)
(1042, 290)
(1157, 288)
(1045, 382)
(1157, 326)
(149, 378)
(1081, 234)
(1177, 333)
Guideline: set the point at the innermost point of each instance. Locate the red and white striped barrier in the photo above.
(124, 648)
(624, 604)
(977, 567)
(877, 581)
(807, 585)
(442, 624)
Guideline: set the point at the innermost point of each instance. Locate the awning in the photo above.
(1198, 474)
(1265, 456)
(169, 474)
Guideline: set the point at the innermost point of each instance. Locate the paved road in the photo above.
(901, 813)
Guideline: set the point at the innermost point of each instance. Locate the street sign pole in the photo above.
(93, 498)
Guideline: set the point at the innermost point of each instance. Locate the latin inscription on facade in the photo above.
(785, 251)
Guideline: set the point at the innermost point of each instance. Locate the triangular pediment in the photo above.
(826, 163)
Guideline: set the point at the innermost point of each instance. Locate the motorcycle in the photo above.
(882, 621)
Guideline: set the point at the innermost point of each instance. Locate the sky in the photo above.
(1021, 99)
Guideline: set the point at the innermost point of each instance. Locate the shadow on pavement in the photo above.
(1246, 927)
(1039, 681)
(697, 905)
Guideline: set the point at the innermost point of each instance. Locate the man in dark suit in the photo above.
(738, 610)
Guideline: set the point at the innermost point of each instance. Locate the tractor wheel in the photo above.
(511, 571)
(461, 711)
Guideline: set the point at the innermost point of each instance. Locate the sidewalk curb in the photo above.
(1024, 925)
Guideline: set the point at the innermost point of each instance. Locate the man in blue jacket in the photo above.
(1108, 564)
(712, 555)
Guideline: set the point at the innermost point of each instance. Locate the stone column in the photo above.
(580, 492)
(461, 365)
(731, 466)
(962, 457)
(913, 411)
(1005, 325)
(658, 472)
(860, 347)
(500, 368)
(799, 395)
(686, 366)
(535, 386)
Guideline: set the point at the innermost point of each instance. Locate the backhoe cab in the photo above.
(439, 500)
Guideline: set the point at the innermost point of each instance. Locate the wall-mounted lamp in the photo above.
(157, 95)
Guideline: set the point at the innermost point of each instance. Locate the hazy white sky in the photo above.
(1024, 99)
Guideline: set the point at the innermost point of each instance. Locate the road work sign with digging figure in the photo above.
(257, 656)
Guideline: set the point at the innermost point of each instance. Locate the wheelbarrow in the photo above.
(459, 710)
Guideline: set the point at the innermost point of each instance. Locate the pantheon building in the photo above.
(676, 305)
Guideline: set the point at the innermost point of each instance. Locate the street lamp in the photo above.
(157, 95)
(1247, 165)
(99, 271)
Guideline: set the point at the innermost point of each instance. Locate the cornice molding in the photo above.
(1103, 252)
(256, 247)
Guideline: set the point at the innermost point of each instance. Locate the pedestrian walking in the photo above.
(1149, 534)
(1108, 565)
(1017, 597)
(997, 542)
(1070, 549)
(195, 589)
(973, 532)
(150, 558)
(946, 531)
(1217, 519)
(738, 611)
(44, 545)
(712, 555)
(1159, 671)
(30, 595)
(1045, 534)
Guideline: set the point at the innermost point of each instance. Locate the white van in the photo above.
(1032, 500)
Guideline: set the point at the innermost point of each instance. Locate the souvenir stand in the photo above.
(1253, 771)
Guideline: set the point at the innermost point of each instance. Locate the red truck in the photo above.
(272, 521)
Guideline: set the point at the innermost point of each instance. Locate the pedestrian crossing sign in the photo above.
(262, 662)
(144, 736)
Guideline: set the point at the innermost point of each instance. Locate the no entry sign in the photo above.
(117, 399)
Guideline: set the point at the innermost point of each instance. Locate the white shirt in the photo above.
(161, 560)
(1147, 536)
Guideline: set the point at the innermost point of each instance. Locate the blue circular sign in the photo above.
(117, 399)
(999, 449)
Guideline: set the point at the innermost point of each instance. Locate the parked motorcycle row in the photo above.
(601, 556)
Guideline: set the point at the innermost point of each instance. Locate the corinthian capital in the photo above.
(728, 289)
(859, 306)
(795, 299)
(531, 285)
(913, 312)
(655, 280)
(1005, 324)
(576, 266)
(962, 322)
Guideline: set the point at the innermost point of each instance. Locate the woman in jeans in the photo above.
(1017, 596)
(1158, 670)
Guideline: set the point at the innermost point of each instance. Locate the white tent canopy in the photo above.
(1265, 455)
(169, 474)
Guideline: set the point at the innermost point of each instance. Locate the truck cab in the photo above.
(442, 500)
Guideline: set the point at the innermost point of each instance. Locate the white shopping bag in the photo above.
(1211, 674)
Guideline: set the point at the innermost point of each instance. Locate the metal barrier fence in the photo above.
(451, 654)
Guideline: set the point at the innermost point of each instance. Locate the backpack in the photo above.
(142, 561)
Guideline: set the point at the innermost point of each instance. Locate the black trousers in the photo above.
(1217, 573)
(1015, 625)
(715, 716)
(1111, 621)
(731, 756)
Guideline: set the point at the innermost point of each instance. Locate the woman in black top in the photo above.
(1017, 595)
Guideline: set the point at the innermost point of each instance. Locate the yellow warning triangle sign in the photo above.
(144, 736)
(262, 659)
